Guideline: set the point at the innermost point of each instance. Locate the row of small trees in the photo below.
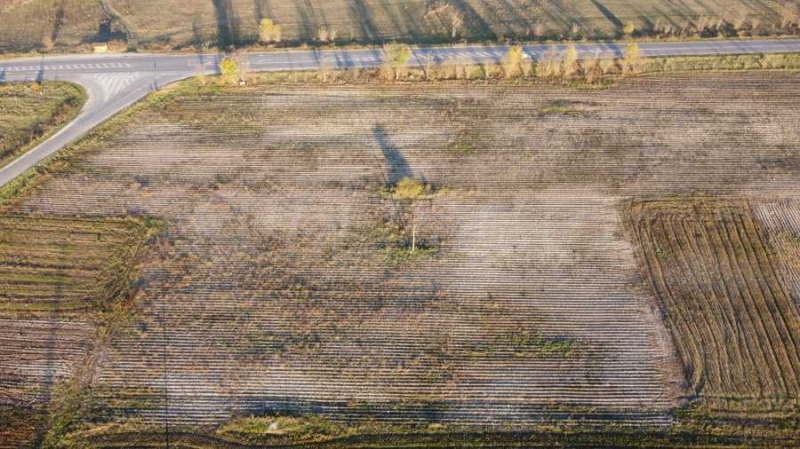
(553, 64)
(569, 64)
(271, 33)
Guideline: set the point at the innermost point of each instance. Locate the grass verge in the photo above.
(30, 113)
(318, 432)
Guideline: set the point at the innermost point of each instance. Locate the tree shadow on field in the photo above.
(263, 10)
(474, 22)
(2, 76)
(608, 14)
(58, 22)
(304, 11)
(198, 40)
(396, 164)
(227, 26)
(197, 33)
(360, 14)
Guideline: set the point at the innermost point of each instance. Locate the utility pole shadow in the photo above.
(48, 381)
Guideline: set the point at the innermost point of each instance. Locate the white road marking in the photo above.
(114, 83)
(93, 66)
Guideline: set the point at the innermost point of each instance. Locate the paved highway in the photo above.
(115, 81)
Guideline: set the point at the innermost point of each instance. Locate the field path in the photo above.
(114, 82)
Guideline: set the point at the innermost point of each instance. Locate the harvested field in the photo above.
(735, 324)
(58, 276)
(45, 24)
(179, 23)
(277, 289)
(29, 111)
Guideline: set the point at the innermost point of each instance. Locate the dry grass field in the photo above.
(284, 284)
(30, 111)
(44, 24)
(32, 24)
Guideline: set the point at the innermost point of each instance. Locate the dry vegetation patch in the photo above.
(48, 24)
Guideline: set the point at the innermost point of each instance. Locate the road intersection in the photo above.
(115, 81)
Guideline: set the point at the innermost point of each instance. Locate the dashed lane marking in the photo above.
(47, 67)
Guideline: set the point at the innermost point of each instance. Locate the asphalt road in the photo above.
(115, 81)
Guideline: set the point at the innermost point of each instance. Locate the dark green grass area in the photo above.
(314, 432)
(55, 264)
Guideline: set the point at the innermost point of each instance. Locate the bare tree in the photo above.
(326, 69)
(409, 191)
(592, 69)
(549, 65)
(326, 34)
(456, 21)
(430, 62)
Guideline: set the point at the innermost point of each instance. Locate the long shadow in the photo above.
(514, 12)
(2, 76)
(40, 74)
(227, 30)
(197, 41)
(263, 10)
(397, 26)
(608, 14)
(307, 29)
(58, 22)
(474, 21)
(197, 33)
(161, 319)
(50, 355)
(360, 15)
(397, 166)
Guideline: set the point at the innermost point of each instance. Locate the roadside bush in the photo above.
(395, 57)
(632, 62)
(570, 66)
(549, 65)
(512, 62)
(269, 32)
(229, 71)
(234, 69)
